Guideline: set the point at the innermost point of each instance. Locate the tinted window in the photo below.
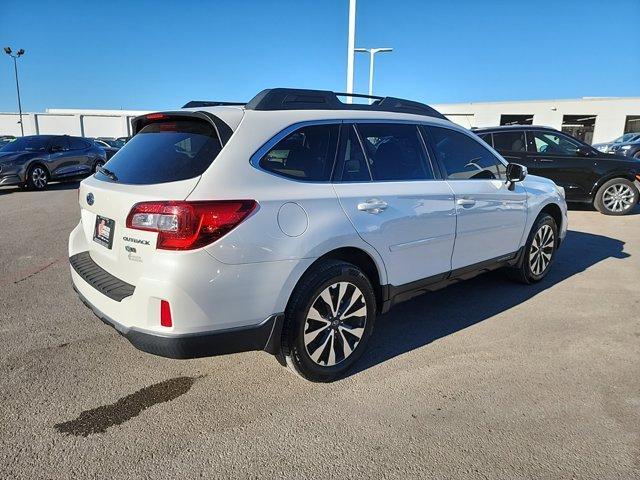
(27, 144)
(60, 143)
(464, 158)
(76, 143)
(554, 144)
(394, 152)
(487, 138)
(509, 141)
(306, 154)
(353, 166)
(165, 151)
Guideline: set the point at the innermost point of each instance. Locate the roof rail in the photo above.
(205, 103)
(299, 99)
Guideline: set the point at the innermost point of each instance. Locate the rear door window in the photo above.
(511, 141)
(165, 151)
(76, 143)
(394, 152)
(306, 154)
(487, 138)
(60, 144)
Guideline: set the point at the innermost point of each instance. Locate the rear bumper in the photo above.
(205, 344)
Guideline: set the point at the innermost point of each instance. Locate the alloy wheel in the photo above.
(541, 250)
(618, 198)
(335, 324)
(39, 177)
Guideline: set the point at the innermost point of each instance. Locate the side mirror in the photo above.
(516, 172)
(583, 151)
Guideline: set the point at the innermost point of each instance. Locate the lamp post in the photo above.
(372, 53)
(350, 46)
(15, 57)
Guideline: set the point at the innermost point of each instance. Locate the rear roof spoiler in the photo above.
(223, 130)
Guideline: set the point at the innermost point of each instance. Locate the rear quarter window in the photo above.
(305, 155)
(165, 151)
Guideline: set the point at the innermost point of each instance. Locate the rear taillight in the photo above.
(189, 225)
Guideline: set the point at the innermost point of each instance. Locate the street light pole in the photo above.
(15, 57)
(350, 47)
(372, 55)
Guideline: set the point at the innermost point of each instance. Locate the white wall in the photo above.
(88, 123)
(610, 113)
(102, 126)
(58, 124)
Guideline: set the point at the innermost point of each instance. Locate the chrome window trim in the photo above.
(254, 160)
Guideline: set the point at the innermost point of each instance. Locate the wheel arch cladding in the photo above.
(360, 259)
(37, 163)
(554, 210)
(627, 175)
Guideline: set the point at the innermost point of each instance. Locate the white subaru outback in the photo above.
(287, 224)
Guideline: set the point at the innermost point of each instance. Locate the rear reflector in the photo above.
(165, 314)
(189, 225)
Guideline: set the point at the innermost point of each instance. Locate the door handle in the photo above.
(465, 202)
(546, 160)
(373, 205)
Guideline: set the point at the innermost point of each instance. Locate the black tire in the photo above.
(617, 196)
(525, 272)
(37, 177)
(97, 165)
(357, 291)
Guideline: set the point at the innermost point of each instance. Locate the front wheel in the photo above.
(328, 321)
(616, 197)
(539, 251)
(38, 178)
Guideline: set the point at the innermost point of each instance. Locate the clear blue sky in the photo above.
(159, 54)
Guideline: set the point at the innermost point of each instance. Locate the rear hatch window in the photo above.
(164, 151)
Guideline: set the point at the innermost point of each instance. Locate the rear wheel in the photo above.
(616, 197)
(539, 251)
(328, 321)
(38, 177)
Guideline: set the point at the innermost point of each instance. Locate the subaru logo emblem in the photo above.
(89, 198)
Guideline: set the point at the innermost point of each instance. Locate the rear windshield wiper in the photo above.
(108, 173)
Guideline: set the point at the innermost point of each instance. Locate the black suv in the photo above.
(610, 182)
(34, 160)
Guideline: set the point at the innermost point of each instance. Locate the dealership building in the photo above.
(593, 119)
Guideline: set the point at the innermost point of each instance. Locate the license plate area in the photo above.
(103, 231)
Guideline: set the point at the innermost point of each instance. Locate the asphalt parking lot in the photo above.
(485, 379)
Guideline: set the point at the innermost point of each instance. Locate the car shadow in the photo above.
(434, 315)
(587, 207)
(52, 186)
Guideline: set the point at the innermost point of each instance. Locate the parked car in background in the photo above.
(609, 182)
(630, 148)
(322, 213)
(113, 142)
(35, 160)
(108, 149)
(122, 140)
(627, 137)
(4, 139)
